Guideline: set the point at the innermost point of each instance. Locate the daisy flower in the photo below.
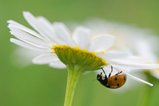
(78, 51)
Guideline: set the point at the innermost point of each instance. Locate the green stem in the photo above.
(72, 79)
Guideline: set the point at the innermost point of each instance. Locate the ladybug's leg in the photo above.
(103, 72)
(104, 81)
(118, 73)
(111, 71)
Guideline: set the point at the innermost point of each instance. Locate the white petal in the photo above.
(114, 54)
(132, 64)
(41, 26)
(57, 64)
(63, 33)
(101, 43)
(28, 38)
(45, 58)
(135, 65)
(49, 30)
(81, 36)
(138, 79)
(146, 50)
(20, 43)
(132, 59)
(23, 28)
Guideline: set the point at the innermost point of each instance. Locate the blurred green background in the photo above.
(40, 85)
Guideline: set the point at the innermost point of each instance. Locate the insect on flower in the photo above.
(113, 82)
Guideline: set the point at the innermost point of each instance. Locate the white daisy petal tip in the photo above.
(101, 43)
(27, 15)
(10, 26)
(11, 39)
(26, 12)
(83, 28)
(9, 21)
(57, 64)
(59, 25)
(45, 59)
(138, 79)
(81, 37)
(36, 61)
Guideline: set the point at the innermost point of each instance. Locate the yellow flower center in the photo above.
(81, 58)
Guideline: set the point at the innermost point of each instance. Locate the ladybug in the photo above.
(113, 82)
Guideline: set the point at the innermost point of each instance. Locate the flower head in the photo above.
(60, 48)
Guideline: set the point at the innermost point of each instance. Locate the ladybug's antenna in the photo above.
(111, 71)
(111, 68)
(103, 70)
(118, 73)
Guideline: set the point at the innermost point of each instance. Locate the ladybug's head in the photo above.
(99, 77)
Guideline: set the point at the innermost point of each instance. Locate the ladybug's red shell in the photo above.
(116, 81)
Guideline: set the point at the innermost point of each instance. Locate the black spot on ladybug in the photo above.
(115, 78)
(124, 78)
(117, 84)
